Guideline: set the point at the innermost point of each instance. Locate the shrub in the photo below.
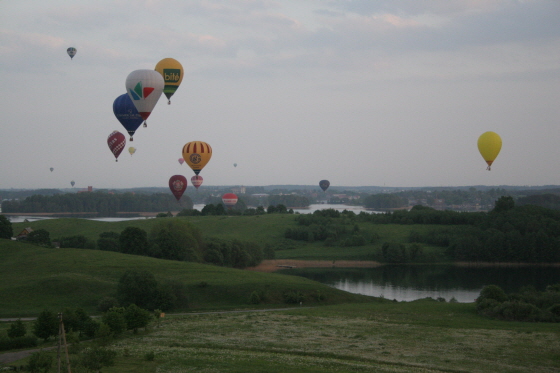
(17, 329)
(293, 297)
(18, 343)
(46, 325)
(40, 362)
(6, 230)
(254, 298)
(492, 292)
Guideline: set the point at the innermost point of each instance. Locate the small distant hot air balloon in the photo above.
(324, 184)
(116, 142)
(71, 52)
(172, 72)
(235, 165)
(197, 154)
(132, 150)
(197, 180)
(72, 183)
(144, 88)
(181, 161)
(52, 169)
(229, 199)
(489, 146)
(126, 113)
(178, 185)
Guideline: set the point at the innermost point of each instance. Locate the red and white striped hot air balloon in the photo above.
(196, 181)
(229, 199)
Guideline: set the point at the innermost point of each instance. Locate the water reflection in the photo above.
(406, 283)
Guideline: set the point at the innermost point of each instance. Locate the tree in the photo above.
(6, 230)
(108, 241)
(133, 240)
(40, 237)
(176, 239)
(46, 325)
(136, 317)
(115, 319)
(504, 203)
(17, 329)
(40, 362)
(93, 359)
(137, 287)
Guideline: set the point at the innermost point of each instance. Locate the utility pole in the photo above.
(62, 337)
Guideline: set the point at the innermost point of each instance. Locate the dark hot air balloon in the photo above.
(126, 113)
(324, 184)
(178, 185)
(116, 142)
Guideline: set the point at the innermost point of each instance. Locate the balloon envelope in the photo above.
(72, 182)
(116, 142)
(178, 185)
(235, 165)
(132, 150)
(172, 72)
(489, 146)
(52, 169)
(197, 154)
(197, 180)
(324, 184)
(126, 113)
(144, 88)
(71, 52)
(181, 161)
(229, 199)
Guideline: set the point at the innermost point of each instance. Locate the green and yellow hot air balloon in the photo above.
(172, 72)
(489, 146)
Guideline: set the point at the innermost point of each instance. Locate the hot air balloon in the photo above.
(235, 165)
(178, 185)
(172, 72)
(52, 169)
(181, 161)
(324, 184)
(126, 113)
(197, 180)
(229, 199)
(197, 154)
(132, 150)
(71, 52)
(489, 146)
(144, 88)
(116, 142)
(72, 183)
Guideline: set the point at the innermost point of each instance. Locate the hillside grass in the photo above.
(35, 278)
(264, 229)
(420, 336)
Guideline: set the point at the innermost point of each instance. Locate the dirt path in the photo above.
(277, 264)
(10, 357)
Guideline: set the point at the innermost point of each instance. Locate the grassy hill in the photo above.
(35, 278)
(265, 229)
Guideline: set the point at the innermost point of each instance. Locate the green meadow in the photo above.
(221, 331)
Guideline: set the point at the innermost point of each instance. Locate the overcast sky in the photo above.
(359, 92)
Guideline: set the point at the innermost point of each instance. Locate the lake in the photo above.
(199, 207)
(411, 282)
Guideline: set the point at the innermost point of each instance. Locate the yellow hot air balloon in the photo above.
(132, 150)
(489, 146)
(172, 72)
(197, 154)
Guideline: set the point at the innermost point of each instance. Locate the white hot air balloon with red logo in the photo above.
(144, 87)
(229, 199)
(196, 181)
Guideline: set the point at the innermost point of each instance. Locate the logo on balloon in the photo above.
(195, 158)
(140, 92)
(178, 185)
(171, 75)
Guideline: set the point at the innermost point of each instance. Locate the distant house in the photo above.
(23, 234)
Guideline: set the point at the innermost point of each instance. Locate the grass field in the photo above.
(35, 278)
(420, 336)
(265, 229)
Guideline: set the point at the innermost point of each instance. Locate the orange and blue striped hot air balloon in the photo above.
(197, 154)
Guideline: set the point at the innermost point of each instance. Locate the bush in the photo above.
(40, 237)
(18, 343)
(6, 230)
(293, 297)
(254, 298)
(46, 325)
(40, 362)
(492, 292)
(115, 319)
(17, 329)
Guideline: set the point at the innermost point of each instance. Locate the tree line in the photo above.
(103, 203)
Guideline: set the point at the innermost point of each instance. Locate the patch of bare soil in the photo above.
(277, 264)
